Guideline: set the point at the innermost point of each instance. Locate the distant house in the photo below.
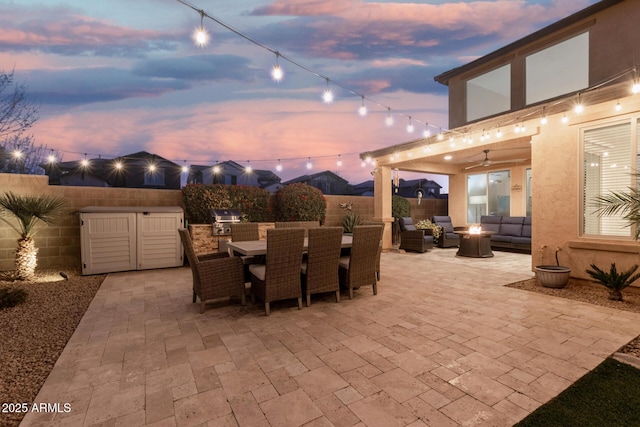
(137, 170)
(327, 182)
(232, 173)
(407, 188)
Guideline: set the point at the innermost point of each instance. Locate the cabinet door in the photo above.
(159, 243)
(108, 242)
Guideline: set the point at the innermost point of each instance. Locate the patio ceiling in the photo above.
(420, 157)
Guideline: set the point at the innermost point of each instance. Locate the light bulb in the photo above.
(339, 162)
(309, 164)
(118, 165)
(565, 119)
(618, 106)
(17, 154)
(579, 108)
(499, 133)
(248, 169)
(362, 110)
(327, 96)
(85, 163)
(543, 120)
(636, 87)
(389, 119)
(440, 136)
(185, 169)
(276, 73)
(410, 128)
(51, 158)
(152, 168)
(279, 167)
(426, 133)
(216, 169)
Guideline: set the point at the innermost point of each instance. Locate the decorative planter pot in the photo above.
(553, 276)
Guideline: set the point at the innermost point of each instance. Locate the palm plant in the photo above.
(625, 203)
(28, 211)
(613, 280)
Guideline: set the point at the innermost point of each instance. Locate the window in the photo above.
(557, 70)
(607, 166)
(489, 93)
(154, 178)
(488, 194)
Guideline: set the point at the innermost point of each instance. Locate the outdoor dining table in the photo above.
(259, 247)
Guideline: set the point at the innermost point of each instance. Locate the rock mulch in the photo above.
(33, 334)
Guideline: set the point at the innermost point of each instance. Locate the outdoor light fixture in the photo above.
(579, 108)
(84, 163)
(118, 165)
(499, 133)
(152, 167)
(279, 166)
(426, 133)
(276, 73)
(248, 169)
(216, 169)
(309, 164)
(51, 158)
(201, 37)
(565, 119)
(389, 119)
(543, 119)
(363, 109)
(17, 154)
(185, 168)
(618, 106)
(440, 135)
(327, 96)
(339, 162)
(410, 126)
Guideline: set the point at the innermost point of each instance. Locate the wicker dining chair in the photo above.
(320, 270)
(279, 277)
(359, 268)
(215, 275)
(243, 232)
(299, 224)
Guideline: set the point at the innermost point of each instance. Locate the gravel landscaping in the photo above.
(33, 334)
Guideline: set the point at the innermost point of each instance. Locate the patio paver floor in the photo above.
(442, 344)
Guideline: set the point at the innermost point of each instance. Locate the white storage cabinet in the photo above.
(130, 238)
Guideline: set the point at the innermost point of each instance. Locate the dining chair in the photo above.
(279, 277)
(242, 232)
(320, 270)
(215, 275)
(359, 268)
(299, 224)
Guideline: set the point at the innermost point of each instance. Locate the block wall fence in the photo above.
(59, 244)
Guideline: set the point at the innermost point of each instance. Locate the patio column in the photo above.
(382, 203)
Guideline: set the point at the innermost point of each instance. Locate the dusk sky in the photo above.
(116, 77)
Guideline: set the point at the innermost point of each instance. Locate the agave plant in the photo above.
(614, 280)
(28, 211)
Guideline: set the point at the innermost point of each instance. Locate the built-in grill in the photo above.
(222, 220)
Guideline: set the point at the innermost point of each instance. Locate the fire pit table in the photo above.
(475, 244)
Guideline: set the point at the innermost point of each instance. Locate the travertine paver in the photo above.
(442, 344)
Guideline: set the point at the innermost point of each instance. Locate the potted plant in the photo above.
(425, 224)
(350, 220)
(552, 276)
(613, 280)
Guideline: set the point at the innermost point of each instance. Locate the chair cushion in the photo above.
(526, 228)
(490, 223)
(344, 262)
(444, 222)
(510, 229)
(428, 239)
(258, 270)
(406, 224)
(521, 240)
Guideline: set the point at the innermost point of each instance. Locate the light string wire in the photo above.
(305, 68)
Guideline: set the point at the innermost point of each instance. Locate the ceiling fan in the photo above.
(487, 162)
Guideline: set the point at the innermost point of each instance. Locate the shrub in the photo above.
(613, 280)
(400, 207)
(300, 202)
(12, 297)
(254, 203)
(199, 199)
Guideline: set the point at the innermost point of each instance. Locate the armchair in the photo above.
(448, 237)
(412, 239)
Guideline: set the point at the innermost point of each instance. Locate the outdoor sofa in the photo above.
(511, 232)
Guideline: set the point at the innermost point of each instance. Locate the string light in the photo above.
(410, 126)
(339, 162)
(279, 166)
(17, 154)
(363, 109)
(426, 133)
(201, 37)
(309, 164)
(118, 165)
(618, 106)
(216, 169)
(248, 169)
(185, 168)
(51, 158)
(389, 119)
(327, 96)
(579, 108)
(565, 119)
(276, 73)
